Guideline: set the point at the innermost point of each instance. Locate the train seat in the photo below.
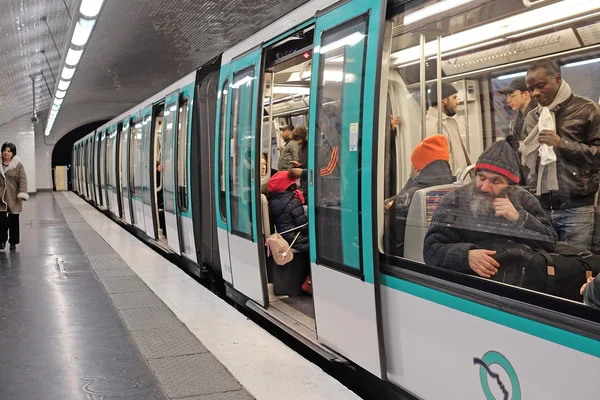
(422, 207)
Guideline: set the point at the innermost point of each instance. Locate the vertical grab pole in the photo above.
(468, 144)
(439, 82)
(423, 88)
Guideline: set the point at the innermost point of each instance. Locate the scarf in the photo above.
(533, 153)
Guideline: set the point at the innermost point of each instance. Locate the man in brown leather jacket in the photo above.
(566, 190)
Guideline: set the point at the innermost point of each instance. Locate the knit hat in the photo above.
(447, 91)
(501, 158)
(429, 150)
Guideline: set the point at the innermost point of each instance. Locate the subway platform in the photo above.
(89, 312)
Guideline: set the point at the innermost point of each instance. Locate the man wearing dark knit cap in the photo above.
(493, 208)
(459, 155)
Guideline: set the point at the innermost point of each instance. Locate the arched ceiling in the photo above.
(137, 48)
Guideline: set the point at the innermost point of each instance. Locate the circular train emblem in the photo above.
(490, 358)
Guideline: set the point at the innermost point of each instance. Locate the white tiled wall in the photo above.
(43, 159)
(20, 131)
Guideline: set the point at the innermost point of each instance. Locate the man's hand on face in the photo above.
(482, 263)
(504, 208)
(550, 138)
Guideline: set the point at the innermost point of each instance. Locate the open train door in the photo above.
(344, 90)
(236, 154)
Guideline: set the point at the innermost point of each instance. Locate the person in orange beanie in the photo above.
(430, 167)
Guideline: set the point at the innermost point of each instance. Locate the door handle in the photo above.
(311, 177)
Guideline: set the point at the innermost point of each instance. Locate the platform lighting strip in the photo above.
(89, 11)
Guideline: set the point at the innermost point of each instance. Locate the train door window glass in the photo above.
(495, 80)
(108, 159)
(241, 152)
(182, 151)
(124, 147)
(222, 155)
(337, 159)
(167, 155)
(135, 158)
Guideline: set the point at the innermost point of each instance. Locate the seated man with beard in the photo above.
(491, 209)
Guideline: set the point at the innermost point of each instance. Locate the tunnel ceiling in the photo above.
(138, 47)
(23, 35)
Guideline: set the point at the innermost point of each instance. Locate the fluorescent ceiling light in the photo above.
(349, 40)
(55, 107)
(82, 32)
(540, 17)
(73, 57)
(58, 101)
(510, 76)
(67, 73)
(90, 8)
(173, 108)
(434, 9)
(63, 85)
(60, 94)
(584, 62)
(291, 90)
(569, 21)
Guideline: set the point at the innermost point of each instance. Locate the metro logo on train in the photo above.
(486, 374)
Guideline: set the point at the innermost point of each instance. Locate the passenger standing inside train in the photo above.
(459, 155)
(430, 168)
(290, 153)
(519, 99)
(13, 186)
(566, 187)
(491, 210)
(300, 134)
(286, 134)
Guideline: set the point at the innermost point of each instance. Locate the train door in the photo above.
(109, 168)
(147, 172)
(342, 105)
(95, 162)
(157, 176)
(89, 168)
(119, 172)
(124, 201)
(248, 275)
(169, 168)
(182, 140)
(102, 162)
(136, 151)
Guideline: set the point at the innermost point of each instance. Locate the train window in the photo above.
(182, 151)
(222, 155)
(240, 152)
(108, 157)
(337, 167)
(124, 148)
(135, 158)
(167, 156)
(488, 138)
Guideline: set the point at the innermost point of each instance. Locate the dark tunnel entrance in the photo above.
(61, 154)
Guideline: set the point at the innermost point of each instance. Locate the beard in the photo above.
(451, 112)
(480, 203)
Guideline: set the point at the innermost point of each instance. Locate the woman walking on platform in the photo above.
(13, 186)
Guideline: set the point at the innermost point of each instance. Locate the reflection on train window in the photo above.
(337, 167)
(240, 152)
(491, 143)
(222, 156)
(182, 151)
(124, 148)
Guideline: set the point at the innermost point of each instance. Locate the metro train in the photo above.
(183, 169)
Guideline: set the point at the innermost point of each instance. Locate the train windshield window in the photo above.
(489, 138)
(182, 151)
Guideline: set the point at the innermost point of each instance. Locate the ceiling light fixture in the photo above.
(89, 11)
(434, 9)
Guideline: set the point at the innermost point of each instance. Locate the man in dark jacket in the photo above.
(491, 209)
(566, 190)
(430, 168)
(519, 99)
